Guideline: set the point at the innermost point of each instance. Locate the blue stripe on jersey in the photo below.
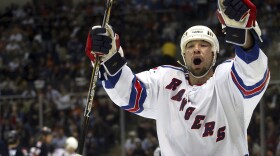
(112, 80)
(137, 97)
(248, 57)
(229, 60)
(249, 91)
(172, 67)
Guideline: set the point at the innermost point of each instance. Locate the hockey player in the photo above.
(16, 148)
(198, 111)
(42, 146)
(71, 144)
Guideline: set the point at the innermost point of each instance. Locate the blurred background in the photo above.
(44, 72)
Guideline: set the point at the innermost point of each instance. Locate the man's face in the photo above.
(49, 138)
(198, 56)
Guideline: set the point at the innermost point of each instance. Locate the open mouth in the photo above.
(197, 61)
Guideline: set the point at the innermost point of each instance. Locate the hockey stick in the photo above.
(91, 92)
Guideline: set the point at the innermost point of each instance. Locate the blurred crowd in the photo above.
(44, 72)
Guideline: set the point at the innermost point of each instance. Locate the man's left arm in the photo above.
(249, 71)
(249, 75)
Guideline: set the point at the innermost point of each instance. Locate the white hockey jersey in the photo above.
(196, 120)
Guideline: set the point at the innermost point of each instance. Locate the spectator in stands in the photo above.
(52, 94)
(278, 147)
(59, 138)
(271, 134)
(150, 143)
(29, 92)
(138, 151)
(4, 150)
(130, 143)
(169, 51)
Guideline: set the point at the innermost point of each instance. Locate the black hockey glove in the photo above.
(236, 17)
(103, 42)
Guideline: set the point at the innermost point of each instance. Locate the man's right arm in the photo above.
(134, 93)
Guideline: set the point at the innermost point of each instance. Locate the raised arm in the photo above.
(249, 74)
(135, 93)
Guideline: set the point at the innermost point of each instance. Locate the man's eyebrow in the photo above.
(206, 42)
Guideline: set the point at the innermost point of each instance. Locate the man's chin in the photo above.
(198, 72)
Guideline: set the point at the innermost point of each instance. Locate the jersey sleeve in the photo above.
(250, 72)
(246, 79)
(136, 93)
(250, 76)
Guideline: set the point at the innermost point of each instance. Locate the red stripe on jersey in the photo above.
(139, 90)
(250, 92)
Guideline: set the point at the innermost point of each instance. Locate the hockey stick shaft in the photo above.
(92, 86)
